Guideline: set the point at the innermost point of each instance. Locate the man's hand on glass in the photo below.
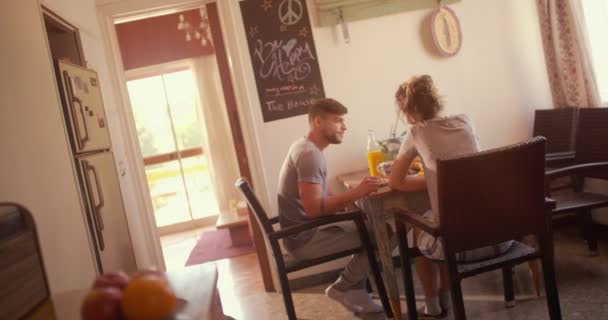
(371, 184)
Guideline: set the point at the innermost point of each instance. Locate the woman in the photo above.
(432, 136)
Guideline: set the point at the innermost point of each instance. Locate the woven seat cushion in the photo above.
(518, 250)
(292, 262)
(578, 200)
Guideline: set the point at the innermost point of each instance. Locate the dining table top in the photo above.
(352, 179)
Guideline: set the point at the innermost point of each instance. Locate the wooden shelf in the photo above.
(237, 225)
(231, 220)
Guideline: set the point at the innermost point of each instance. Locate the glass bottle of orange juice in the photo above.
(374, 154)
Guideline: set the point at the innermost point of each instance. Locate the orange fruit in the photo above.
(148, 298)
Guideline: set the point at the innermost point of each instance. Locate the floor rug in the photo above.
(215, 245)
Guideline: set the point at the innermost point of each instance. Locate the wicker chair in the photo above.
(559, 127)
(286, 264)
(484, 199)
(591, 162)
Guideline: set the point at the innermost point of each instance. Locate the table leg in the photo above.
(534, 266)
(374, 209)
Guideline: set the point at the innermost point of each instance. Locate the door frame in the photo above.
(232, 109)
(110, 12)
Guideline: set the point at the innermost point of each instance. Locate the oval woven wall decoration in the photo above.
(446, 31)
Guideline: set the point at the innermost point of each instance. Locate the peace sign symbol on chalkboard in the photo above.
(290, 11)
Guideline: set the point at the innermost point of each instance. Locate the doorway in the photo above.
(178, 108)
(116, 14)
(170, 131)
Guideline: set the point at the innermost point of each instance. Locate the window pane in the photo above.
(149, 106)
(198, 181)
(168, 193)
(182, 96)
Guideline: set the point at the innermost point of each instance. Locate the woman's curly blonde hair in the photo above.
(418, 98)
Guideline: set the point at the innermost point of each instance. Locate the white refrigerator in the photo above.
(92, 152)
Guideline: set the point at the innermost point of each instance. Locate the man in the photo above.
(303, 195)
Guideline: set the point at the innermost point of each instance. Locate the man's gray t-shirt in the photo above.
(304, 163)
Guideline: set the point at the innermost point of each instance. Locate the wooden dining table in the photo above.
(374, 206)
(195, 286)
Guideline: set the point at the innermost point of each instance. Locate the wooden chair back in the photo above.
(592, 137)
(558, 126)
(260, 214)
(492, 196)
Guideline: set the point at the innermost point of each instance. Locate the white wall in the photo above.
(36, 169)
(498, 78)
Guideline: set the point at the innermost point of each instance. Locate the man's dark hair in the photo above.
(323, 107)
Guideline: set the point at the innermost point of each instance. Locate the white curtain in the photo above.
(592, 22)
(567, 54)
(218, 146)
(585, 48)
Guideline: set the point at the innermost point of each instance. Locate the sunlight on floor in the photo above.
(177, 246)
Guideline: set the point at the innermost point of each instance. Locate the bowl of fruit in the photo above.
(143, 295)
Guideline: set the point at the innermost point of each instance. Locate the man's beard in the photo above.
(333, 138)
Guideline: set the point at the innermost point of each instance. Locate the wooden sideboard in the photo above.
(197, 285)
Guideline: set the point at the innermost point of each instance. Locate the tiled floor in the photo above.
(582, 283)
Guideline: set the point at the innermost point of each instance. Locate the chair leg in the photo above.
(589, 234)
(534, 266)
(551, 287)
(455, 288)
(287, 299)
(406, 271)
(289, 308)
(507, 282)
(457, 300)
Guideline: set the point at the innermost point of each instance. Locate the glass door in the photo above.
(170, 131)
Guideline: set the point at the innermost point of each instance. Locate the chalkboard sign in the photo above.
(283, 55)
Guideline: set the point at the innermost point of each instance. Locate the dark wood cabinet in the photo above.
(22, 278)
